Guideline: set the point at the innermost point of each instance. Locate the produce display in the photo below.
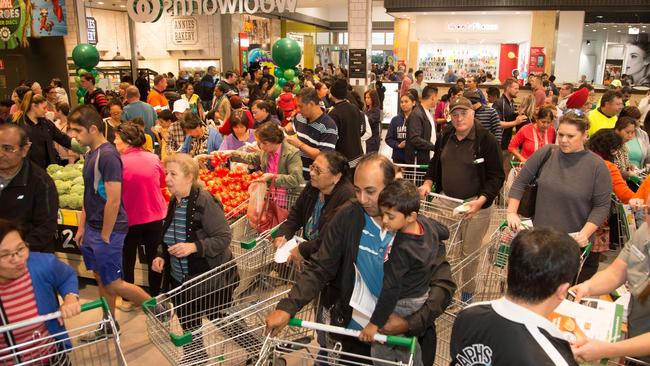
(69, 184)
(228, 185)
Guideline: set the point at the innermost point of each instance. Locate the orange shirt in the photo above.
(157, 100)
(620, 187)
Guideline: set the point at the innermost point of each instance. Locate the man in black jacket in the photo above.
(27, 194)
(348, 119)
(467, 165)
(355, 238)
(421, 128)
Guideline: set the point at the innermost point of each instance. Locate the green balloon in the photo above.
(94, 72)
(81, 71)
(85, 56)
(279, 73)
(77, 80)
(81, 100)
(296, 80)
(289, 74)
(286, 53)
(281, 81)
(276, 91)
(296, 89)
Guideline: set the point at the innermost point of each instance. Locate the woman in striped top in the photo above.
(29, 286)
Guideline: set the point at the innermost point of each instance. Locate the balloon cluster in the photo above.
(85, 57)
(286, 54)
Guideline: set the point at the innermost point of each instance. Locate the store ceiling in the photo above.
(119, 5)
(611, 31)
(618, 17)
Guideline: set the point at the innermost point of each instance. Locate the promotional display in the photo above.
(286, 54)
(537, 59)
(37, 18)
(85, 57)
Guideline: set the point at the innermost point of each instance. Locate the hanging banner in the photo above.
(537, 60)
(12, 24)
(91, 27)
(48, 18)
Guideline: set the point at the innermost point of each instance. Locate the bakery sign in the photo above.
(185, 31)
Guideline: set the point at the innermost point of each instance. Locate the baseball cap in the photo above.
(181, 105)
(460, 103)
(472, 96)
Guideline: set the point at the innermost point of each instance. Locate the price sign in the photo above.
(358, 64)
(64, 241)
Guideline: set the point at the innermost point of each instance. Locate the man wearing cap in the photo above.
(348, 119)
(175, 134)
(139, 109)
(467, 165)
(487, 116)
(421, 129)
(605, 116)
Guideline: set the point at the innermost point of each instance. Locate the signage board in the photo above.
(472, 27)
(185, 31)
(149, 11)
(358, 61)
(91, 27)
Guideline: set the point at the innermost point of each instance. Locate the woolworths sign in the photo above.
(148, 11)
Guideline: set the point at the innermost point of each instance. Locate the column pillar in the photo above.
(401, 40)
(360, 33)
(569, 40)
(543, 35)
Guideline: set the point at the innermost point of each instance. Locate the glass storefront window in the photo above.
(323, 38)
(390, 38)
(378, 39)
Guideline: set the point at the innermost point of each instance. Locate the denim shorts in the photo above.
(103, 258)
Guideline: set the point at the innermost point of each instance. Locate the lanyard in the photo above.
(535, 134)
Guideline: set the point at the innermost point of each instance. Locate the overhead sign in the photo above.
(184, 31)
(12, 23)
(148, 11)
(472, 27)
(91, 27)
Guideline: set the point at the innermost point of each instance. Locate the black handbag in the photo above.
(529, 198)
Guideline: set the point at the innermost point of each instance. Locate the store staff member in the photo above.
(631, 267)
(514, 330)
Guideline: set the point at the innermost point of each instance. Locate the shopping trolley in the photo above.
(65, 348)
(441, 208)
(279, 351)
(515, 169)
(413, 172)
(218, 317)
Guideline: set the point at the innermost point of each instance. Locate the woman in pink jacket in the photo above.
(143, 178)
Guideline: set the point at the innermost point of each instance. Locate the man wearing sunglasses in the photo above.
(27, 193)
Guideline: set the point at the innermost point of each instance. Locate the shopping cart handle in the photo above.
(99, 303)
(400, 341)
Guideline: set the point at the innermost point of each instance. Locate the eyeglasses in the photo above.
(9, 149)
(20, 252)
(315, 169)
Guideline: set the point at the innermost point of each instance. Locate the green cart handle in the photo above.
(400, 341)
(99, 303)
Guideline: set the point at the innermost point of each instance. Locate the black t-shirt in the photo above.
(506, 111)
(496, 333)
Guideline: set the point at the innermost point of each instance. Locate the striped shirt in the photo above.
(19, 304)
(321, 134)
(489, 119)
(176, 234)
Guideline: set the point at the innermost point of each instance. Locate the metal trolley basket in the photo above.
(413, 172)
(66, 348)
(218, 317)
(441, 208)
(278, 351)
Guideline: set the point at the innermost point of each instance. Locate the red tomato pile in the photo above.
(229, 187)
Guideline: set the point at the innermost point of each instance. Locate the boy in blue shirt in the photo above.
(408, 267)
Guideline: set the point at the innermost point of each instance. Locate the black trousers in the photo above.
(148, 235)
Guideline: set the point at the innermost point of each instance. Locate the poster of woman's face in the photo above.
(637, 62)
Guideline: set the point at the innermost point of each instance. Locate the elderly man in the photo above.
(514, 330)
(138, 109)
(467, 165)
(27, 193)
(356, 238)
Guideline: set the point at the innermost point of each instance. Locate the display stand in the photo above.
(438, 58)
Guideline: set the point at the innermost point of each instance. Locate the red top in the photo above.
(530, 140)
(19, 304)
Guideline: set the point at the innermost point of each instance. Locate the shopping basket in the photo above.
(279, 351)
(414, 173)
(218, 317)
(441, 208)
(65, 348)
